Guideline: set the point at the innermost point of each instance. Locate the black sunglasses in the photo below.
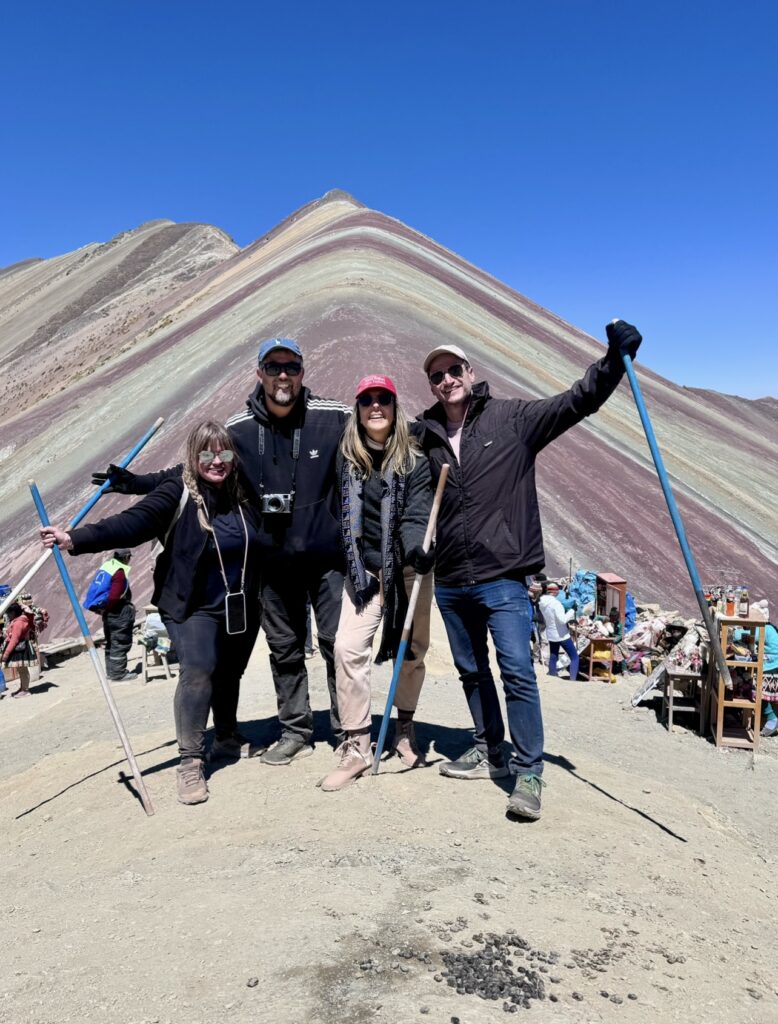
(384, 398)
(276, 369)
(456, 370)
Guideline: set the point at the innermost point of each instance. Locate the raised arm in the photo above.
(125, 482)
(147, 520)
(541, 421)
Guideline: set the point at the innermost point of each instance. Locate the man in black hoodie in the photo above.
(489, 540)
(286, 442)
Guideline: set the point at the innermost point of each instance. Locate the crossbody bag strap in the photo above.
(160, 545)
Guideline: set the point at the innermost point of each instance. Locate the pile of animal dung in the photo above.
(504, 968)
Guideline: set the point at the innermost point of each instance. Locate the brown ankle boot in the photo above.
(355, 757)
(404, 744)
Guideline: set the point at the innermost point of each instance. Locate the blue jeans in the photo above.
(569, 648)
(500, 608)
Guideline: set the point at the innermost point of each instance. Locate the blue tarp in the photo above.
(630, 613)
(582, 588)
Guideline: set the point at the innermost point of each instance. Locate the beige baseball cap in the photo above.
(453, 350)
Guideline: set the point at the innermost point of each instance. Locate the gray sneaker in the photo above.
(232, 748)
(190, 782)
(288, 749)
(524, 801)
(475, 765)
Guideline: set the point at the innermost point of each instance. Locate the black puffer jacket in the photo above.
(175, 573)
(312, 531)
(489, 521)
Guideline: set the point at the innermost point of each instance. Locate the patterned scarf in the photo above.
(366, 585)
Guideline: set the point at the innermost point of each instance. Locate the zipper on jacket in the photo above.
(456, 465)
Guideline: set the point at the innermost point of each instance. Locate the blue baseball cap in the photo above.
(274, 344)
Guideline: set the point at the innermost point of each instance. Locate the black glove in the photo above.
(623, 337)
(121, 480)
(421, 560)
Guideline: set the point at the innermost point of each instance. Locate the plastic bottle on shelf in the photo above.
(729, 608)
(743, 604)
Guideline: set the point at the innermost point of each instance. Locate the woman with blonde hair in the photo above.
(386, 499)
(205, 586)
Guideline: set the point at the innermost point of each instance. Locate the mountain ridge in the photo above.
(166, 320)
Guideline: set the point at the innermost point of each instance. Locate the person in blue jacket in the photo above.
(770, 681)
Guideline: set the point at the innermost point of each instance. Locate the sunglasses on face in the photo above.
(384, 398)
(456, 371)
(293, 369)
(206, 458)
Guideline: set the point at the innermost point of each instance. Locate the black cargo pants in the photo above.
(117, 628)
(284, 594)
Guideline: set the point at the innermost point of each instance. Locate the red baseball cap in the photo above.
(376, 380)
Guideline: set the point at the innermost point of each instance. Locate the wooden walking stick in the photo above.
(148, 806)
(80, 515)
(398, 661)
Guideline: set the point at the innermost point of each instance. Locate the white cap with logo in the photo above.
(452, 350)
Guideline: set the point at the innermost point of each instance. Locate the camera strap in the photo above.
(296, 440)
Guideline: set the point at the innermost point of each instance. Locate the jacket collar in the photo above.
(436, 415)
(257, 407)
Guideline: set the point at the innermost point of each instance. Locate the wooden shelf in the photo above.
(736, 702)
(715, 703)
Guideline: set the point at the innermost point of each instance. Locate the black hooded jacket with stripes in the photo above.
(265, 448)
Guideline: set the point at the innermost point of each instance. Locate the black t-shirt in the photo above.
(371, 515)
(209, 584)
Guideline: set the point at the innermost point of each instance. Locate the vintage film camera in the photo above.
(277, 504)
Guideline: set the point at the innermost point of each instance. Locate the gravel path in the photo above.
(642, 894)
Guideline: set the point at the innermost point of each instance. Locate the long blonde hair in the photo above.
(400, 451)
(200, 439)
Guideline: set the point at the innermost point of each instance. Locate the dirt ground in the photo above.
(645, 892)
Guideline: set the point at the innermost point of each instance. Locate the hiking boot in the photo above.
(474, 764)
(404, 744)
(191, 782)
(232, 748)
(524, 801)
(355, 757)
(288, 749)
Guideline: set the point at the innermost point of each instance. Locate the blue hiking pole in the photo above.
(10, 598)
(675, 515)
(398, 661)
(148, 806)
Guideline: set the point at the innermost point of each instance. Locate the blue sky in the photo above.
(603, 158)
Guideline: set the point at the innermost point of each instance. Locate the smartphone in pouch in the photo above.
(235, 609)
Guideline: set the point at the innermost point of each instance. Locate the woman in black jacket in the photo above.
(386, 499)
(205, 586)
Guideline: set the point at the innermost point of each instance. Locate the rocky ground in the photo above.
(644, 893)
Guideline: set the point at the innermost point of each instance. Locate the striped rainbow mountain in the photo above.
(164, 321)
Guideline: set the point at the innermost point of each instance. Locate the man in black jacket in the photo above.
(286, 442)
(489, 540)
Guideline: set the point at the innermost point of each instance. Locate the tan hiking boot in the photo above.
(355, 757)
(192, 788)
(404, 744)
